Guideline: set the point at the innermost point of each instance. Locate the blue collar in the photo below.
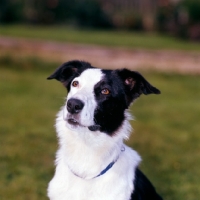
(106, 169)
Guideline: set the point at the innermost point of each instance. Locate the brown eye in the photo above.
(105, 91)
(75, 83)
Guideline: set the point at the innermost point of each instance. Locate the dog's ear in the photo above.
(135, 84)
(68, 71)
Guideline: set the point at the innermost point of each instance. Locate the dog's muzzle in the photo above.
(74, 107)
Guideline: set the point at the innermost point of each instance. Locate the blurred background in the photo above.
(174, 17)
(159, 38)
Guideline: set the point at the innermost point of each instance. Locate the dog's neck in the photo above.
(104, 170)
(88, 153)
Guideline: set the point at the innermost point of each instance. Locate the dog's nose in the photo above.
(74, 106)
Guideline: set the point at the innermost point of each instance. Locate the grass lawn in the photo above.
(166, 131)
(108, 38)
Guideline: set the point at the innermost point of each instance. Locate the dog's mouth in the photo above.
(74, 122)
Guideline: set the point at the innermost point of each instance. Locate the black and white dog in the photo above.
(92, 162)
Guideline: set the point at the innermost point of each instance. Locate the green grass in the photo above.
(166, 131)
(108, 38)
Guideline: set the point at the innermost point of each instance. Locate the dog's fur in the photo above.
(92, 161)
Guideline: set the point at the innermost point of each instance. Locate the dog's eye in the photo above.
(75, 83)
(105, 91)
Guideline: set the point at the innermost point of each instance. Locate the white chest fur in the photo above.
(87, 154)
(115, 184)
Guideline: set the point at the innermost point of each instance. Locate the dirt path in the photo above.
(164, 60)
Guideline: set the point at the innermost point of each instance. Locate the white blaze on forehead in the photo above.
(87, 80)
(91, 77)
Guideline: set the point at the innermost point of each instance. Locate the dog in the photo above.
(92, 162)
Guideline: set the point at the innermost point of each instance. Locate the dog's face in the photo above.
(97, 99)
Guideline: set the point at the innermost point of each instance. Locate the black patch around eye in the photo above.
(98, 90)
(109, 113)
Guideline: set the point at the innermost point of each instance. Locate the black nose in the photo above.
(74, 106)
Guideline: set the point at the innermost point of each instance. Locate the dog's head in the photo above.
(97, 99)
